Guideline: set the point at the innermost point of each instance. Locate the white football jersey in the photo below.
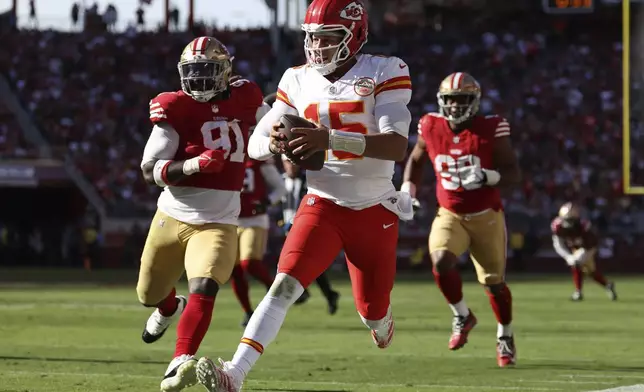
(348, 104)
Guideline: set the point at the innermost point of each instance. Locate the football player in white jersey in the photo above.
(360, 103)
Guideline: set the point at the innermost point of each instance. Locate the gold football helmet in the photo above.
(205, 68)
(569, 214)
(569, 211)
(459, 96)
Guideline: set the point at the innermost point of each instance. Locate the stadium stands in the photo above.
(89, 94)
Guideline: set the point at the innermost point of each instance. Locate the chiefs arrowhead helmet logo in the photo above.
(353, 11)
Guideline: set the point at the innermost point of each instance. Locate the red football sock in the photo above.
(240, 287)
(501, 304)
(169, 305)
(193, 324)
(599, 278)
(577, 277)
(258, 270)
(450, 284)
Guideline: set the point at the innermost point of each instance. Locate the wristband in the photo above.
(191, 166)
(492, 177)
(159, 173)
(347, 141)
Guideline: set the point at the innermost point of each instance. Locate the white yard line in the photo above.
(604, 375)
(306, 383)
(629, 388)
(367, 352)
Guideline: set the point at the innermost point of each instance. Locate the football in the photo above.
(288, 122)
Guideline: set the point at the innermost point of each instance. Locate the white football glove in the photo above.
(580, 256)
(410, 189)
(472, 177)
(571, 260)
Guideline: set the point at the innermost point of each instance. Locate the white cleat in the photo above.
(382, 337)
(181, 374)
(157, 324)
(217, 378)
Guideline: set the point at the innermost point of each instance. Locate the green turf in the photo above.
(85, 338)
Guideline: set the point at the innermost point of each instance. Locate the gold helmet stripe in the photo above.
(199, 45)
(457, 79)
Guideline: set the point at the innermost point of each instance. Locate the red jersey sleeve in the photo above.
(555, 226)
(500, 126)
(425, 125)
(163, 108)
(253, 98)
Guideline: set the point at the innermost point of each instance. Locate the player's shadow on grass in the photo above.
(82, 360)
(591, 366)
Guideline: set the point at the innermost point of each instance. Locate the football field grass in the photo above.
(86, 338)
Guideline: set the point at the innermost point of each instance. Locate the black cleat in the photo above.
(303, 298)
(333, 302)
(157, 324)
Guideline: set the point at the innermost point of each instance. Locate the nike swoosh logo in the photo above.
(402, 66)
(387, 226)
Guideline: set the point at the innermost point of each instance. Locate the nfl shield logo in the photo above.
(215, 109)
(456, 139)
(310, 201)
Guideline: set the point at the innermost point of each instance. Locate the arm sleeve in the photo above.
(162, 143)
(275, 182)
(393, 117)
(560, 247)
(258, 145)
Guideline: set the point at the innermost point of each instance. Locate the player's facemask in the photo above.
(327, 47)
(204, 79)
(459, 108)
(569, 223)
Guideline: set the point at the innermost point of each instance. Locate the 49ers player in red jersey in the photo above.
(473, 158)
(263, 187)
(196, 153)
(576, 242)
(359, 103)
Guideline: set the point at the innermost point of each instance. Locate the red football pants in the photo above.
(369, 237)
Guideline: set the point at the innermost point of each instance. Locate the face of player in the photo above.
(203, 80)
(570, 223)
(321, 48)
(457, 105)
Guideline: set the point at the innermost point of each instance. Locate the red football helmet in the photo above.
(345, 19)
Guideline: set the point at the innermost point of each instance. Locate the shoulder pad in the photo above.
(425, 123)
(251, 92)
(161, 106)
(586, 225)
(555, 225)
(500, 125)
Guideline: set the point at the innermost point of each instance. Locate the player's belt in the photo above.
(475, 214)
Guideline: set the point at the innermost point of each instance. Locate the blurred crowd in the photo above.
(555, 79)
